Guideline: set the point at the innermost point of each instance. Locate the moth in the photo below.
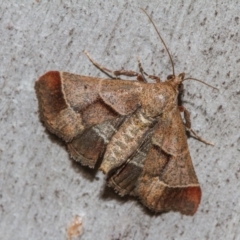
(134, 128)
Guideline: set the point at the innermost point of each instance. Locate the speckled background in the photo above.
(42, 189)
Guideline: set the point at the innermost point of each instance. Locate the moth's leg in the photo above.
(188, 125)
(187, 119)
(129, 73)
(104, 69)
(118, 72)
(157, 79)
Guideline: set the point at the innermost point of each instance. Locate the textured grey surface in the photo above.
(41, 188)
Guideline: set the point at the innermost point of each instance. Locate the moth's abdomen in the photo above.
(126, 141)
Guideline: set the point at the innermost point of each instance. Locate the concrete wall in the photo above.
(42, 189)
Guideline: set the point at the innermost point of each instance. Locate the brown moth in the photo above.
(134, 127)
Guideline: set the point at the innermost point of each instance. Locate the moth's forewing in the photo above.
(70, 103)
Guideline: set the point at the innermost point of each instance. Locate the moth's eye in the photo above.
(169, 77)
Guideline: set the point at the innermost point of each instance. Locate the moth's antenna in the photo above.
(161, 39)
(195, 79)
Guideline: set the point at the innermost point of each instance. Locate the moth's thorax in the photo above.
(158, 97)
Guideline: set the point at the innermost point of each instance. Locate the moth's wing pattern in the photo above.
(162, 178)
(70, 103)
(121, 95)
(89, 147)
(124, 179)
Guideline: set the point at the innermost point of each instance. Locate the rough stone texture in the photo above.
(41, 188)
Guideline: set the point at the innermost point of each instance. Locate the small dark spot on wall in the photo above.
(56, 193)
(10, 27)
(41, 197)
(70, 43)
(35, 217)
(216, 13)
(220, 108)
(237, 20)
(2, 208)
(203, 22)
(65, 6)
(71, 32)
(217, 225)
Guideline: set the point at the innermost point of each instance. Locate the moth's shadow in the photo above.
(86, 172)
(109, 193)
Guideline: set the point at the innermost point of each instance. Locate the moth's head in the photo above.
(176, 81)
